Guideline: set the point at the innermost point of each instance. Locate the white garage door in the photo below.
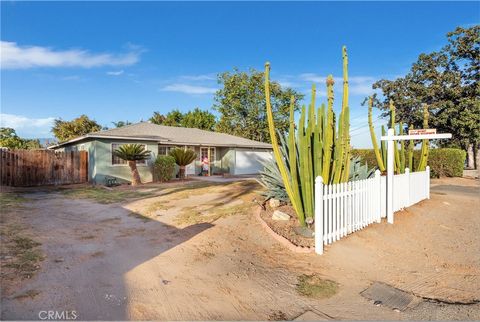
(250, 161)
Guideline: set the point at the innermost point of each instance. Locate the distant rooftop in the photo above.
(171, 135)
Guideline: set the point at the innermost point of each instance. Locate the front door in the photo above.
(204, 156)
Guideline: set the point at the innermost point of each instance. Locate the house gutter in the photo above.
(164, 141)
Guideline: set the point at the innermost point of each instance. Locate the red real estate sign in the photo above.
(422, 131)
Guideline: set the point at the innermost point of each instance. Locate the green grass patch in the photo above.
(316, 287)
(25, 252)
(11, 201)
(104, 196)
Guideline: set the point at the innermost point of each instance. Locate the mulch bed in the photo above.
(285, 228)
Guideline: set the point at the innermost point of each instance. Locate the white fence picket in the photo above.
(347, 207)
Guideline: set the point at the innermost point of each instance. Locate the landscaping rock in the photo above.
(274, 203)
(279, 215)
(304, 231)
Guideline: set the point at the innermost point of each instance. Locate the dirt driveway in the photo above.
(196, 252)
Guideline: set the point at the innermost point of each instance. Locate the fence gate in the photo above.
(23, 168)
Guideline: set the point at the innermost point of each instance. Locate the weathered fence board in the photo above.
(23, 168)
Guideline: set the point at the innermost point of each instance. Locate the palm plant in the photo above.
(133, 153)
(183, 157)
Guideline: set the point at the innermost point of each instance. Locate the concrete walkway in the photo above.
(221, 179)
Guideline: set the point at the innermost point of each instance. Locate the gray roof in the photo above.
(146, 131)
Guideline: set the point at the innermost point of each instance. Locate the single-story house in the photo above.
(228, 153)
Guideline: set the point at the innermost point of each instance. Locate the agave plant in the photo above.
(183, 157)
(359, 171)
(270, 176)
(133, 153)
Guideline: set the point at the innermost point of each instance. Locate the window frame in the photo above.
(142, 163)
(167, 147)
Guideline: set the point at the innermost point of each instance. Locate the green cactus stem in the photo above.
(378, 153)
(296, 202)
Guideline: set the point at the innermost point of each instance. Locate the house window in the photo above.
(164, 150)
(117, 161)
(204, 154)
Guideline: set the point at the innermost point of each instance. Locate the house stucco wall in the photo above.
(100, 160)
(104, 166)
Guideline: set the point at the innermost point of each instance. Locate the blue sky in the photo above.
(123, 60)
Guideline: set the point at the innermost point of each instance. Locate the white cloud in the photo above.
(27, 127)
(189, 89)
(14, 56)
(205, 77)
(116, 73)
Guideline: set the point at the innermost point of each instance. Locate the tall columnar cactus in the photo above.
(378, 153)
(402, 151)
(383, 145)
(346, 120)
(424, 154)
(395, 146)
(296, 202)
(411, 145)
(328, 131)
(315, 148)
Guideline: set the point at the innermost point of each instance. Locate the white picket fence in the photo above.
(341, 209)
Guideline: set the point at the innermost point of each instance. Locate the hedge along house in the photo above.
(228, 154)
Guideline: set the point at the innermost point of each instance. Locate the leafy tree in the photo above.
(157, 118)
(173, 118)
(133, 153)
(66, 130)
(199, 119)
(195, 119)
(447, 81)
(121, 123)
(10, 139)
(241, 103)
(183, 157)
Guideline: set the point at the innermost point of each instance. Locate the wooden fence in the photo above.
(341, 209)
(23, 168)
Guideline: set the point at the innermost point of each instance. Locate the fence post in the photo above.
(407, 174)
(390, 175)
(319, 215)
(378, 196)
(428, 181)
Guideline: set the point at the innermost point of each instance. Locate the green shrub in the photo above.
(164, 168)
(445, 162)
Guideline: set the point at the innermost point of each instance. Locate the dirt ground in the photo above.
(196, 252)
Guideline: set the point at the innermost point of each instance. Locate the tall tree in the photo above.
(10, 139)
(121, 123)
(157, 118)
(66, 130)
(196, 118)
(241, 103)
(447, 81)
(199, 119)
(173, 118)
